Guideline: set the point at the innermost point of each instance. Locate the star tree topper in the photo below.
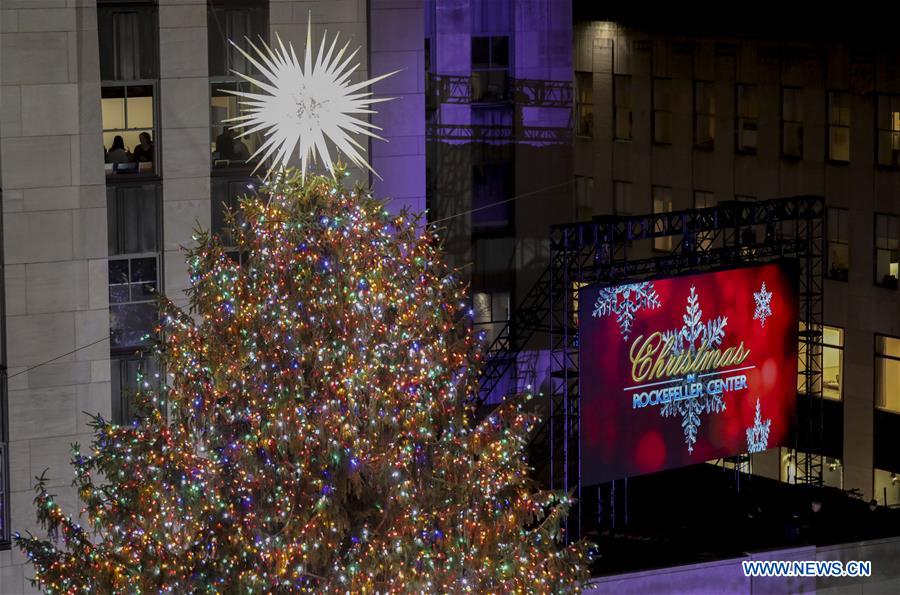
(305, 106)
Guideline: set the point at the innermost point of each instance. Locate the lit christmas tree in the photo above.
(317, 435)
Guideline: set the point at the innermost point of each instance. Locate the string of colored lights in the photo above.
(317, 438)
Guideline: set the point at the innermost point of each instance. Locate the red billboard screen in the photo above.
(682, 370)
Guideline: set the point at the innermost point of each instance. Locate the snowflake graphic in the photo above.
(624, 301)
(693, 335)
(758, 433)
(763, 301)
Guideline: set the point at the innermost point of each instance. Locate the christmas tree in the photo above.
(313, 433)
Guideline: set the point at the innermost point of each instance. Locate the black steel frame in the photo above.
(730, 234)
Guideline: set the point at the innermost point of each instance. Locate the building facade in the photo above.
(670, 118)
(113, 149)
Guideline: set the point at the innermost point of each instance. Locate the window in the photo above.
(133, 234)
(747, 124)
(662, 203)
(226, 194)
(887, 254)
(129, 71)
(793, 463)
(888, 130)
(622, 106)
(839, 126)
(703, 199)
(584, 104)
(791, 123)
(491, 186)
(887, 373)
(887, 487)
(491, 314)
(832, 363)
(662, 111)
(124, 383)
(704, 115)
(622, 198)
(838, 244)
(584, 198)
(490, 69)
(239, 22)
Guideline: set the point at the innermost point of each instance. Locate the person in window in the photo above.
(241, 152)
(117, 152)
(225, 144)
(144, 152)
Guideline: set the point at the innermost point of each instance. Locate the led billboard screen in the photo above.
(685, 369)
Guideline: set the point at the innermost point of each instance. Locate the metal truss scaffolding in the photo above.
(730, 234)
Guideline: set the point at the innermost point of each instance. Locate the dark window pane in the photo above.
(240, 23)
(491, 184)
(118, 294)
(142, 292)
(129, 323)
(143, 269)
(118, 271)
(133, 219)
(481, 52)
(128, 42)
(500, 51)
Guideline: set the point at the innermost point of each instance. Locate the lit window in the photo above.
(238, 22)
(838, 244)
(839, 126)
(491, 314)
(662, 203)
(887, 255)
(622, 198)
(791, 123)
(129, 70)
(887, 487)
(490, 69)
(703, 199)
(793, 466)
(832, 364)
(584, 104)
(584, 198)
(622, 106)
(887, 373)
(662, 111)
(747, 119)
(704, 115)
(888, 130)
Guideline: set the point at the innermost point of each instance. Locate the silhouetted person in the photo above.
(117, 152)
(144, 151)
(225, 144)
(241, 152)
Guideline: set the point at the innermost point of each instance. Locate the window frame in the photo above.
(618, 79)
(830, 126)
(875, 370)
(494, 332)
(830, 272)
(799, 122)
(121, 412)
(893, 131)
(740, 118)
(113, 192)
(708, 144)
(876, 248)
(664, 243)
(219, 80)
(584, 131)
(506, 94)
(658, 111)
